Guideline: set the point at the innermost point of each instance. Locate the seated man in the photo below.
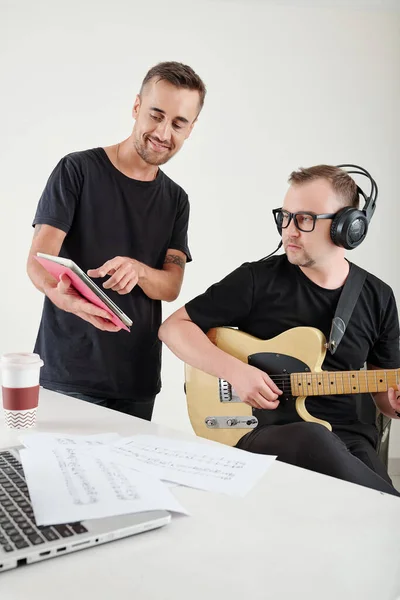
(301, 288)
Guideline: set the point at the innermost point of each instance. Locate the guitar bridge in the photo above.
(226, 392)
(233, 422)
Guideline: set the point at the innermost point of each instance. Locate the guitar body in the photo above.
(214, 410)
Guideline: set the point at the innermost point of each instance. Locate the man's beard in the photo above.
(309, 262)
(150, 156)
(304, 260)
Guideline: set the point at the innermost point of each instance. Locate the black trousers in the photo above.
(347, 453)
(141, 407)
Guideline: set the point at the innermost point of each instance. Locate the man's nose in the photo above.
(163, 131)
(292, 229)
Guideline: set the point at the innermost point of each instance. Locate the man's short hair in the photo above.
(179, 75)
(342, 184)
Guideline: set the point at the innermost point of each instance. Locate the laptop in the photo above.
(23, 542)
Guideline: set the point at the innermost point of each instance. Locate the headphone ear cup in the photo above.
(349, 228)
(358, 230)
(337, 226)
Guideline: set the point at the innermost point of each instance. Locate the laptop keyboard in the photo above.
(18, 529)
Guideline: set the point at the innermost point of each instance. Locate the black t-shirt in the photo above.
(266, 298)
(106, 214)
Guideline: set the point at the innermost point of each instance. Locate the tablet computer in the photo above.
(56, 266)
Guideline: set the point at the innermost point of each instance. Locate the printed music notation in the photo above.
(73, 478)
(67, 484)
(212, 467)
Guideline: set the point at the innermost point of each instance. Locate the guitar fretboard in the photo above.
(343, 382)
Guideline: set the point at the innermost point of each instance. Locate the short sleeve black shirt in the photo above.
(266, 298)
(106, 214)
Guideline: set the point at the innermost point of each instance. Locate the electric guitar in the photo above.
(293, 360)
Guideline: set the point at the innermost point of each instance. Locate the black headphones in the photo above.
(350, 225)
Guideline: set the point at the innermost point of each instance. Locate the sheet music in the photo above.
(67, 485)
(211, 467)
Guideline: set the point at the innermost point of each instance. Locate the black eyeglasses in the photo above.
(304, 221)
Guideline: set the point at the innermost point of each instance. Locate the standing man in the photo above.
(120, 218)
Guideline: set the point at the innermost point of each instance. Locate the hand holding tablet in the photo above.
(58, 266)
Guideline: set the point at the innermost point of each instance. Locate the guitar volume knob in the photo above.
(231, 422)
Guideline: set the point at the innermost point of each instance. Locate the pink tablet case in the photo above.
(56, 270)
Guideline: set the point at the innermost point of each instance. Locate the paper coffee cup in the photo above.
(20, 388)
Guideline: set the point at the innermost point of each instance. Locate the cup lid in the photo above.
(20, 360)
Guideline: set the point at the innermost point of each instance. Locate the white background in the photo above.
(289, 84)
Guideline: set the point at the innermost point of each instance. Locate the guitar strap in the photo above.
(347, 301)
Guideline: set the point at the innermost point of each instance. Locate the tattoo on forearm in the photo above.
(175, 260)
(37, 229)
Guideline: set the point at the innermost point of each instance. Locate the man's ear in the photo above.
(136, 106)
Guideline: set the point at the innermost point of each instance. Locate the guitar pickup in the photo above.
(233, 422)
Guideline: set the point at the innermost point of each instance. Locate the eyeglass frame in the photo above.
(293, 216)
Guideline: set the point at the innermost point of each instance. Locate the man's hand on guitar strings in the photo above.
(256, 388)
(394, 398)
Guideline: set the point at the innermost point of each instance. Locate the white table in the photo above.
(296, 535)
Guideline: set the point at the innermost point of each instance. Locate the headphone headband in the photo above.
(370, 201)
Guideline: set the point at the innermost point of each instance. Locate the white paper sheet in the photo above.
(67, 485)
(53, 440)
(211, 467)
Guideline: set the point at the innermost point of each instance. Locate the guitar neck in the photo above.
(343, 382)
